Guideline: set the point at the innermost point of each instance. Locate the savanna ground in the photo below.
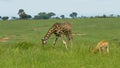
(20, 44)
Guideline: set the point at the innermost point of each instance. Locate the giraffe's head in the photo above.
(44, 41)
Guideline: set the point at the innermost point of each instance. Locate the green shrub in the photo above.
(23, 45)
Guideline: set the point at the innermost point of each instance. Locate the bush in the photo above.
(23, 45)
(5, 18)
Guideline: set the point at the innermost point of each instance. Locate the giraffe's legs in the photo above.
(71, 43)
(55, 40)
(69, 38)
(64, 42)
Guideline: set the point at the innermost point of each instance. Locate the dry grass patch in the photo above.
(4, 39)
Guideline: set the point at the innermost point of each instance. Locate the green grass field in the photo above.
(23, 49)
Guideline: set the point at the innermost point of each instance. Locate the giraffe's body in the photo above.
(101, 46)
(59, 29)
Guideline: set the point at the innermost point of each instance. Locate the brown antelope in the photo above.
(60, 30)
(101, 46)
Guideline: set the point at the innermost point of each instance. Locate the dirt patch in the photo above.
(78, 34)
(36, 29)
(4, 39)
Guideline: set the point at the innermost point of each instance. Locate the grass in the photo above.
(24, 49)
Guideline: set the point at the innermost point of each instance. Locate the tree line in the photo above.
(43, 15)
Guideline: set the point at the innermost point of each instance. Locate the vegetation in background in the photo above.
(51, 15)
(23, 15)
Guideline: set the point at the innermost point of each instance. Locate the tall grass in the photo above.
(24, 49)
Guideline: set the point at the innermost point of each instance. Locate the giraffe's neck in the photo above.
(50, 31)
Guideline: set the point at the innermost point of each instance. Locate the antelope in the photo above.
(101, 46)
(59, 30)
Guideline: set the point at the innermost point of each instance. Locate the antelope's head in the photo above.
(92, 49)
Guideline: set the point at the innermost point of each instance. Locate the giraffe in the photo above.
(59, 30)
